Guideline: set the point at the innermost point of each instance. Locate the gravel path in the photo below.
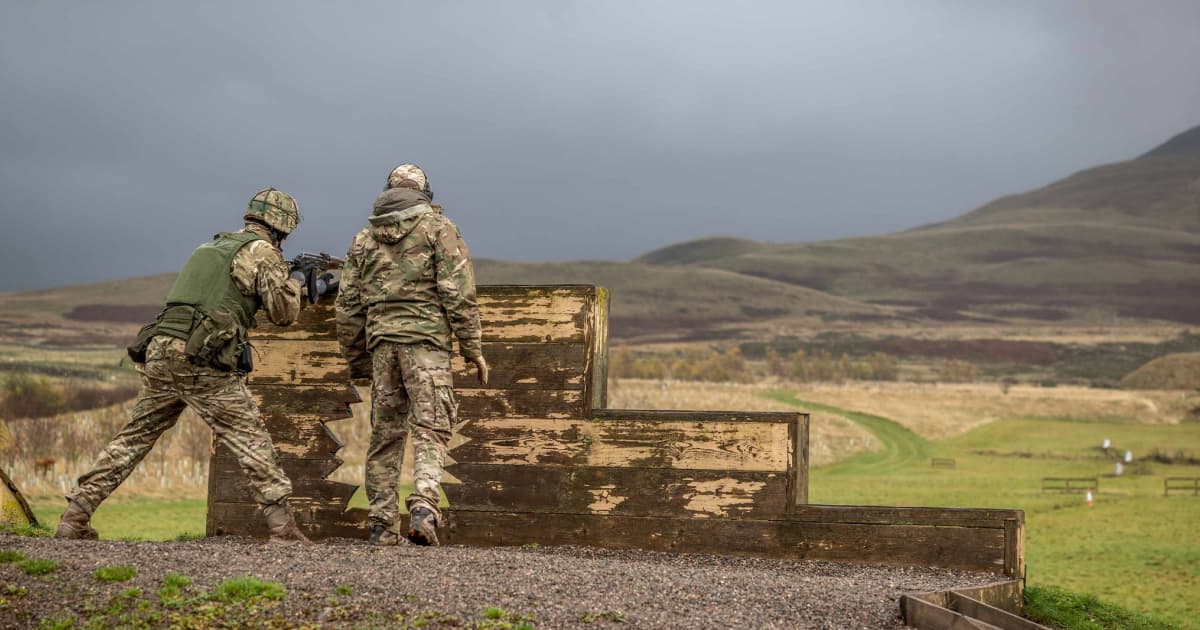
(350, 584)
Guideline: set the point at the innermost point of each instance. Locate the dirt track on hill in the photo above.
(559, 587)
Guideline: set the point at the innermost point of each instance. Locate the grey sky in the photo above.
(130, 132)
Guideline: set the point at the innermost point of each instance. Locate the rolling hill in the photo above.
(1116, 241)
(1113, 243)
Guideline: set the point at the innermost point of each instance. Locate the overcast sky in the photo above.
(132, 131)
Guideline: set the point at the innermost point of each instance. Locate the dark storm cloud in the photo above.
(131, 131)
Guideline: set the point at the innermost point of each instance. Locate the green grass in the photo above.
(900, 447)
(8, 555)
(1059, 607)
(246, 588)
(1133, 547)
(115, 573)
(37, 567)
(136, 518)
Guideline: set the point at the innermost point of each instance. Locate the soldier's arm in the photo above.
(259, 269)
(351, 316)
(456, 287)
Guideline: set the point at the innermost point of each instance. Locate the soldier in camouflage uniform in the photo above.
(406, 287)
(192, 355)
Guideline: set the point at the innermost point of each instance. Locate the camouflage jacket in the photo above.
(407, 278)
(259, 269)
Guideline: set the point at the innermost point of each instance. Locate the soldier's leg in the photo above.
(223, 401)
(157, 409)
(385, 454)
(433, 411)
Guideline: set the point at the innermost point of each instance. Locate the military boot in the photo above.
(281, 524)
(381, 536)
(76, 522)
(422, 527)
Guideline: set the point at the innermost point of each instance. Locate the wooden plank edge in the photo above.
(776, 539)
(987, 613)
(989, 518)
(678, 415)
(923, 615)
(1007, 595)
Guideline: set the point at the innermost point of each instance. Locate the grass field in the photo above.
(1132, 546)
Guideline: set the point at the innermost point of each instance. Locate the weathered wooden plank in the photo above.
(307, 486)
(1014, 536)
(798, 482)
(300, 436)
(596, 342)
(624, 491)
(526, 366)
(969, 548)
(1007, 595)
(221, 474)
(924, 615)
(245, 519)
(986, 613)
(674, 415)
(516, 365)
(330, 401)
(299, 362)
(888, 515)
(648, 443)
(476, 403)
(316, 322)
(534, 313)
(506, 313)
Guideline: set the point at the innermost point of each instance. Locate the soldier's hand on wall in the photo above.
(482, 366)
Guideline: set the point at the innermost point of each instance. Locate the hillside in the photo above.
(648, 303)
(1173, 371)
(663, 303)
(1116, 241)
(1108, 244)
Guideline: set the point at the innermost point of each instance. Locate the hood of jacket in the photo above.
(397, 212)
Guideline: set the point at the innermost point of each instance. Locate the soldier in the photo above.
(196, 354)
(406, 286)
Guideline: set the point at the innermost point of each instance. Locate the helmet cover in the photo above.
(274, 208)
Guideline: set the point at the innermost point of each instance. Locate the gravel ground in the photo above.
(559, 587)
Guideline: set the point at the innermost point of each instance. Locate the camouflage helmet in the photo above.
(274, 208)
(409, 176)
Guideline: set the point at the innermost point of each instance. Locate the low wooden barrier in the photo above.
(943, 462)
(537, 458)
(1070, 484)
(1181, 484)
(994, 606)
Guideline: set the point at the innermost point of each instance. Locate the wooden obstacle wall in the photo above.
(537, 458)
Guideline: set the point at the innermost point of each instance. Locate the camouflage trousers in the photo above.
(411, 392)
(171, 383)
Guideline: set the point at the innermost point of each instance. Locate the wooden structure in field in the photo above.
(538, 458)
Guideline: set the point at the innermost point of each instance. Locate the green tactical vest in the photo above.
(206, 285)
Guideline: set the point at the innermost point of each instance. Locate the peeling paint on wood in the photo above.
(711, 445)
(722, 497)
(624, 491)
(299, 362)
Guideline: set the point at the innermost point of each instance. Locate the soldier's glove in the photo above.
(482, 366)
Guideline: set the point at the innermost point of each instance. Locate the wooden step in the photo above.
(954, 610)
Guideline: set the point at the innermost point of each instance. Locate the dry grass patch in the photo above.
(831, 437)
(938, 411)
